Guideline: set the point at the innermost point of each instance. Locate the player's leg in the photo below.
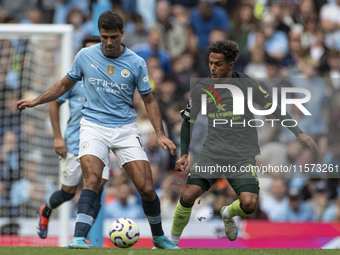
(70, 177)
(195, 187)
(247, 189)
(93, 154)
(140, 173)
(105, 177)
(92, 167)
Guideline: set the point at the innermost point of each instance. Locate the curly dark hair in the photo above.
(109, 20)
(228, 48)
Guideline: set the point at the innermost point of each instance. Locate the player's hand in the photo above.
(182, 163)
(23, 103)
(308, 141)
(165, 142)
(60, 147)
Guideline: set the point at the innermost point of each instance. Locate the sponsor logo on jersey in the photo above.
(146, 78)
(105, 84)
(125, 73)
(110, 70)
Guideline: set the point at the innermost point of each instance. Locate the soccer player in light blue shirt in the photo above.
(111, 73)
(67, 148)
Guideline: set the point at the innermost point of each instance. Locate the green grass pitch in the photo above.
(148, 251)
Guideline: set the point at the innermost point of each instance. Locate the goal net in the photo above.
(32, 57)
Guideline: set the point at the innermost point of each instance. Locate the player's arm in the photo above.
(59, 143)
(183, 161)
(156, 121)
(58, 89)
(263, 98)
(189, 115)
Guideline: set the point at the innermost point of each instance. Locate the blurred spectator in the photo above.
(28, 193)
(332, 213)
(81, 27)
(277, 201)
(276, 44)
(203, 19)
(296, 210)
(9, 157)
(147, 10)
(181, 14)
(309, 28)
(242, 23)
(318, 50)
(171, 192)
(174, 122)
(156, 73)
(63, 7)
(309, 79)
(174, 38)
(206, 17)
(18, 9)
(153, 48)
(332, 77)
(306, 8)
(158, 158)
(334, 116)
(33, 17)
(183, 70)
(277, 8)
(139, 35)
(125, 205)
(166, 95)
(9, 117)
(330, 22)
(256, 68)
(47, 10)
(332, 157)
(218, 34)
(319, 201)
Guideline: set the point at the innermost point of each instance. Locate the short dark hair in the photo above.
(109, 20)
(228, 48)
(90, 39)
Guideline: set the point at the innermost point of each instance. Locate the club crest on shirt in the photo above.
(84, 145)
(125, 73)
(110, 70)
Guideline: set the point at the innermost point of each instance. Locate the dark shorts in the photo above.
(245, 181)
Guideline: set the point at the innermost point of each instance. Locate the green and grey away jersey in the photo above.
(235, 139)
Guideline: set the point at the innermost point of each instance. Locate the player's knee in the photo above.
(147, 192)
(249, 202)
(92, 182)
(191, 193)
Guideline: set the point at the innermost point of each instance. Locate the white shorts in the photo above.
(71, 170)
(125, 142)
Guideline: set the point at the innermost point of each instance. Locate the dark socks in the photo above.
(152, 211)
(56, 199)
(98, 201)
(86, 211)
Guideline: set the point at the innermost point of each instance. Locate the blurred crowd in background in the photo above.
(283, 43)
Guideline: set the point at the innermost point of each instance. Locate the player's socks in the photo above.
(98, 202)
(86, 211)
(56, 199)
(181, 219)
(152, 210)
(235, 209)
(175, 239)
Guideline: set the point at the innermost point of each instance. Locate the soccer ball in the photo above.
(124, 233)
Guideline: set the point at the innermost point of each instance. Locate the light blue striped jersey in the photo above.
(76, 100)
(109, 84)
